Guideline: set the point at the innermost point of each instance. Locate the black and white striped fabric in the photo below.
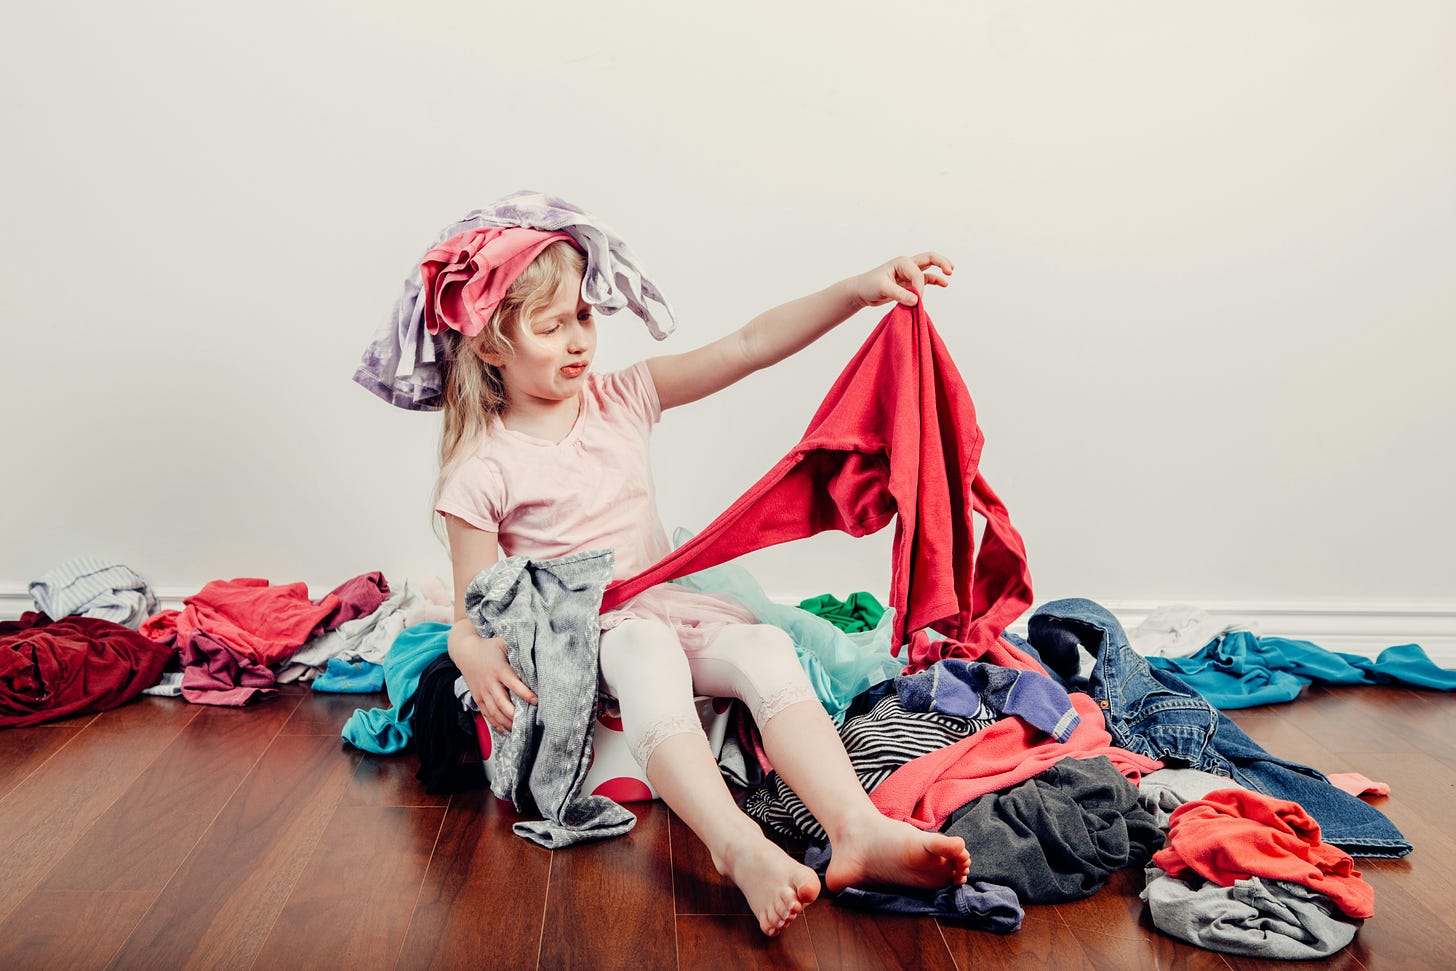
(878, 743)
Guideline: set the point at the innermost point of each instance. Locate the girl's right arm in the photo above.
(481, 660)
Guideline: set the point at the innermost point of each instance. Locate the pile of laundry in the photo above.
(1060, 757)
(1054, 778)
(96, 640)
(1046, 770)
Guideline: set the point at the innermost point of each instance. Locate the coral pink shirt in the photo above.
(590, 490)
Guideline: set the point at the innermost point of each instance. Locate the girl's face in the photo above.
(552, 353)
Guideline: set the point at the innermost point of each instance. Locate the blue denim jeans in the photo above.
(1156, 714)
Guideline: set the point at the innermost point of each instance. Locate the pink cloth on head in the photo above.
(466, 276)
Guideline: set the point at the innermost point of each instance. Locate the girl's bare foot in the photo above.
(889, 852)
(777, 888)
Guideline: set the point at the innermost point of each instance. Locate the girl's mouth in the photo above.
(573, 370)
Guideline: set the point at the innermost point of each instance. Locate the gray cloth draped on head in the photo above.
(402, 364)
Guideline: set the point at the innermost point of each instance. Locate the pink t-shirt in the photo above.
(592, 489)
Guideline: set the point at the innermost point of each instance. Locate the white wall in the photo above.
(1204, 300)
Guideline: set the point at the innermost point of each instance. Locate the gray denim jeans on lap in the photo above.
(547, 612)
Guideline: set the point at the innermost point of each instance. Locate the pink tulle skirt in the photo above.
(696, 617)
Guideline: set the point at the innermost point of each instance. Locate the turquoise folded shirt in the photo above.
(1241, 669)
(380, 730)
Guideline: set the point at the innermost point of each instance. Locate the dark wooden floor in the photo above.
(165, 835)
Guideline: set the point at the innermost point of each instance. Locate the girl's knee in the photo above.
(639, 644)
(645, 669)
(756, 664)
(759, 648)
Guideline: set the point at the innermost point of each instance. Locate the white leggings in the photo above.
(647, 670)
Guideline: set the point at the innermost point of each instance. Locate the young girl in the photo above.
(542, 457)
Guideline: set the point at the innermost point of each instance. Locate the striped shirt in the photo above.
(878, 743)
(93, 587)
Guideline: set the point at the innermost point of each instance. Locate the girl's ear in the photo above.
(483, 352)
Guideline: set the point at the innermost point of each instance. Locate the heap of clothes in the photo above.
(1060, 757)
(1051, 774)
(1054, 779)
(95, 640)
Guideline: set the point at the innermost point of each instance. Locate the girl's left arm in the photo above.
(775, 334)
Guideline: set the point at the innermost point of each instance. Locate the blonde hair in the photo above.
(474, 390)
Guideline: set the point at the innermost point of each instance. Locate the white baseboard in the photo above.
(1364, 629)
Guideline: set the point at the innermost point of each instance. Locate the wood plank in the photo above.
(133, 849)
(1362, 718)
(43, 816)
(351, 906)
(846, 938)
(483, 895)
(141, 840)
(625, 884)
(389, 780)
(714, 942)
(324, 712)
(23, 750)
(256, 873)
(1116, 913)
(1042, 942)
(1407, 932)
(75, 722)
(217, 910)
(42, 933)
(1419, 804)
(1283, 738)
(1117, 952)
(1430, 717)
(1420, 720)
(698, 887)
(1116, 909)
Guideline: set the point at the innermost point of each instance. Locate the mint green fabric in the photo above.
(839, 665)
(861, 612)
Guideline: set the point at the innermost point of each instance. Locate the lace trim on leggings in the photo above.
(660, 731)
(783, 698)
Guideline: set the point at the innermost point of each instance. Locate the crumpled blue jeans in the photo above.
(1156, 714)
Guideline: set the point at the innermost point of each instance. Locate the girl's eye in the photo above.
(584, 315)
(554, 329)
